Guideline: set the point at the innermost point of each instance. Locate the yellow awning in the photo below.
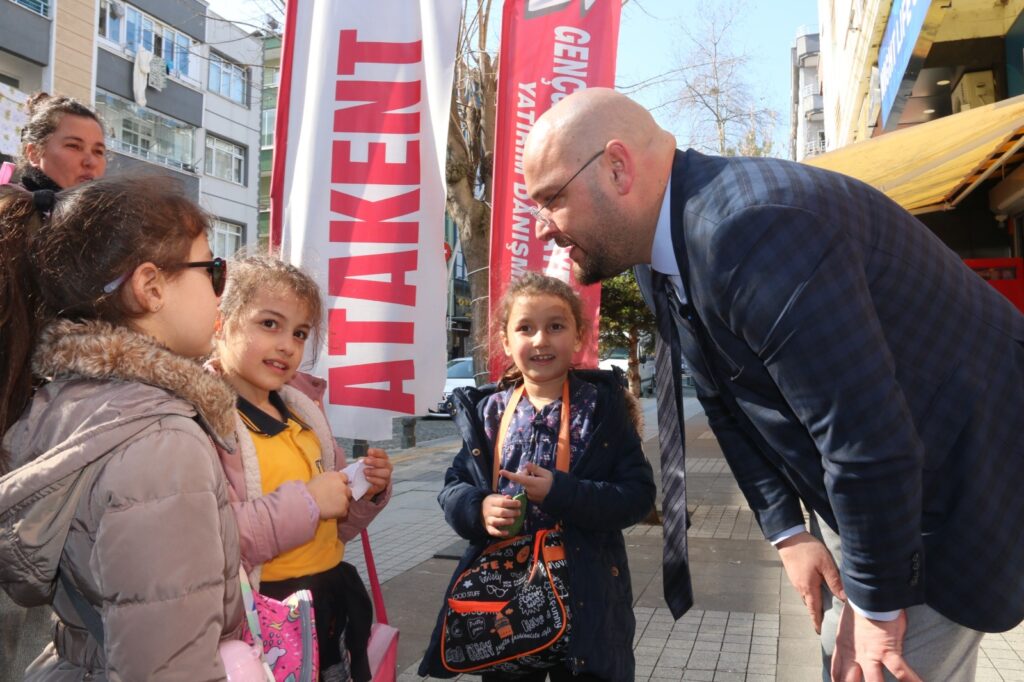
(934, 166)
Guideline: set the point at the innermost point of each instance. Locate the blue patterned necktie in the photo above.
(668, 365)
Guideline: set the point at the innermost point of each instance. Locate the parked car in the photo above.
(460, 373)
(619, 357)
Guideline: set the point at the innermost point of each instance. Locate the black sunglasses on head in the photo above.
(217, 269)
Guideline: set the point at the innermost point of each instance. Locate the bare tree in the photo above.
(708, 91)
(470, 163)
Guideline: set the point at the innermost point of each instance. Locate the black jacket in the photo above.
(609, 488)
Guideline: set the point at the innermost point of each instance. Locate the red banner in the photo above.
(549, 49)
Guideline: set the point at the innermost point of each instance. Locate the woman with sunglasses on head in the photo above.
(114, 510)
(62, 144)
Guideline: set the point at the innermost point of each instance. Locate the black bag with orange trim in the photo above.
(509, 611)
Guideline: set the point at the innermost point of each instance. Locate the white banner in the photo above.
(361, 202)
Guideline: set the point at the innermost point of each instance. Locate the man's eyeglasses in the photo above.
(537, 212)
(217, 269)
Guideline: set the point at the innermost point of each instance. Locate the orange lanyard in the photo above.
(562, 454)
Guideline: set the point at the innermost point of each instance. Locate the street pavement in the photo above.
(748, 624)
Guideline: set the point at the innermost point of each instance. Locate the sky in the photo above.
(650, 44)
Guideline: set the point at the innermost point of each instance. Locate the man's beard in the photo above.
(594, 269)
(606, 260)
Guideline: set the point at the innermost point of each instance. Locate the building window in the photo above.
(267, 124)
(128, 28)
(145, 134)
(41, 7)
(225, 160)
(111, 15)
(271, 74)
(228, 79)
(226, 239)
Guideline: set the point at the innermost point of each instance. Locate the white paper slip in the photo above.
(357, 482)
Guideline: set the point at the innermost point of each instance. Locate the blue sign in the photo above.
(901, 32)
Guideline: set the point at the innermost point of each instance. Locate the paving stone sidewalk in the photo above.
(748, 624)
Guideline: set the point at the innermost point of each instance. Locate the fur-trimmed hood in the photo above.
(107, 385)
(98, 350)
(119, 490)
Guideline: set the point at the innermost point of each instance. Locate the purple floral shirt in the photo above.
(533, 437)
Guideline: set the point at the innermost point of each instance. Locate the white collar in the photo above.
(663, 255)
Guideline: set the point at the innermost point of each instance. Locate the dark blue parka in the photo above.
(610, 487)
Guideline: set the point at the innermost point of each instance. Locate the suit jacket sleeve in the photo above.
(799, 297)
(774, 502)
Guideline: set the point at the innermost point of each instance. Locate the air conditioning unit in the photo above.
(975, 89)
(1007, 197)
(116, 10)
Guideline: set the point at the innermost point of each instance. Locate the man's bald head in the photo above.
(617, 160)
(589, 118)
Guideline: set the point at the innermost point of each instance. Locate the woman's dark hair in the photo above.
(530, 284)
(45, 113)
(70, 261)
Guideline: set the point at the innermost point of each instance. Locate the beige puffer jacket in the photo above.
(120, 488)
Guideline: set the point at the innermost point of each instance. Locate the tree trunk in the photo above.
(469, 180)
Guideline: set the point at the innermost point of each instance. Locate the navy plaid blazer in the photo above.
(847, 358)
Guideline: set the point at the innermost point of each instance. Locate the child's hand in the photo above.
(331, 494)
(536, 481)
(378, 470)
(499, 512)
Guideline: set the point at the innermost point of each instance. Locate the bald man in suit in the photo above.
(846, 360)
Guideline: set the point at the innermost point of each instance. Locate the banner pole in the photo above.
(279, 160)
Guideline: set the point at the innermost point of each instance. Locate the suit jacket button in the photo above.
(615, 571)
(476, 452)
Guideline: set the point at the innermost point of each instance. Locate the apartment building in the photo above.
(174, 85)
(807, 120)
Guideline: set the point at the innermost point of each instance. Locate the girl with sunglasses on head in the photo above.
(115, 509)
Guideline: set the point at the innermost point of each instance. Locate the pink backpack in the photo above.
(284, 630)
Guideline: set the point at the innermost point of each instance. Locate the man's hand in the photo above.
(499, 512)
(536, 481)
(377, 471)
(865, 646)
(808, 564)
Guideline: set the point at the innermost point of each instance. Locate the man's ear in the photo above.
(623, 165)
(146, 284)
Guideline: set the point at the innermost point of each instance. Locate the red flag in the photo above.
(549, 49)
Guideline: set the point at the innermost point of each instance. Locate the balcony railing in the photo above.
(809, 89)
(814, 147)
(41, 7)
(148, 155)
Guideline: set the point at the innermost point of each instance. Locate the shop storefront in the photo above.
(947, 142)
